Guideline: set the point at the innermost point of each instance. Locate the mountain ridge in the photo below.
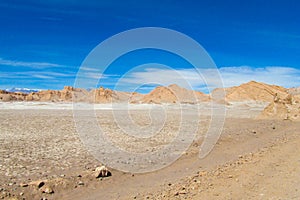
(250, 91)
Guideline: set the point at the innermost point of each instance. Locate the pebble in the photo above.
(38, 184)
(80, 183)
(102, 172)
(23, 184)
(48, 190)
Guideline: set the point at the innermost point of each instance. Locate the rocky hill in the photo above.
(254, 91)
(174, 94)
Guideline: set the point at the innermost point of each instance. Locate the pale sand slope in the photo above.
(43, 144)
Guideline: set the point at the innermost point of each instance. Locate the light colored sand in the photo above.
(41, 142)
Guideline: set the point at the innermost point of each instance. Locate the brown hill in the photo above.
(283, 108)
(254, 91)
(174, 94)
(68, 94)
(11, 96)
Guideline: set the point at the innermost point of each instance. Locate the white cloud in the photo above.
(231, 76)
(277, 75)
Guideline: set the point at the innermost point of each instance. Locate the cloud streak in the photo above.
(36, 65)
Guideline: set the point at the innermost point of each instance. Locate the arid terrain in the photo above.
(256, 157)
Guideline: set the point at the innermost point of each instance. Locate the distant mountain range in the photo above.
(251, 91)
(23, 90)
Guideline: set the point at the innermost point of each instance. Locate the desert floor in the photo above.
(253, 159)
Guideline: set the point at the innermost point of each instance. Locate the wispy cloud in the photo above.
(36, 74)
(37, 65)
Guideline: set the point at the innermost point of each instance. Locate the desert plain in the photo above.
(256, 157)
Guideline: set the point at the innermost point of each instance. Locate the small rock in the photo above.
(38, 183)
(79, 176)
(253, 131)
(80, 183)
(230, 176)
(47, 190)
(182, 192)
(22, 193)
(102, 172)
(23, 184)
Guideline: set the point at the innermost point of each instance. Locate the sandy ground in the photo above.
(253, 159)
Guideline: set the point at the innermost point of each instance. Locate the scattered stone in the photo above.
(79, 176)
(230, 176)
(253, 131)
(102, 172)
(23, 184)
(38, 183)
(22, 193)
(80, 183)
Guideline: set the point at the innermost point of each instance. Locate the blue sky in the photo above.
(43, 43)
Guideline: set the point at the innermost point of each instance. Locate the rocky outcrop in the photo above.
(102, 95)
(287, 108)
(11, 96)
